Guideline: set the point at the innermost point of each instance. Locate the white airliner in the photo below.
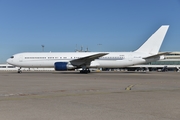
(61, 61)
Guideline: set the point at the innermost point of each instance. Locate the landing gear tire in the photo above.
(85, 71)
(19, 70)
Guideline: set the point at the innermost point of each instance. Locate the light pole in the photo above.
(42, 48)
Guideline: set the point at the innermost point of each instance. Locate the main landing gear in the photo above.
(19, 70)
(85, 71)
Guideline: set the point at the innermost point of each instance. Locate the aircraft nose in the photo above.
(9, 61)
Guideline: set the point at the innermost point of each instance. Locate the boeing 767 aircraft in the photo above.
(61, 61)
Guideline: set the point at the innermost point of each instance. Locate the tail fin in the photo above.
(153, 44)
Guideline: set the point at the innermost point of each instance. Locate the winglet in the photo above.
(153, 44)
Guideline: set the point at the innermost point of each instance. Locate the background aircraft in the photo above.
(148, 52)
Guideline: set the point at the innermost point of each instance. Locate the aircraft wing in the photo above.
(86, 60)
(157, 55)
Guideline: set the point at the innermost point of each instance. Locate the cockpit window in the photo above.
(12, 56)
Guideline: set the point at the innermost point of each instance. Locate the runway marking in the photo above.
(10, 98)
(129, 87)
(62, 93)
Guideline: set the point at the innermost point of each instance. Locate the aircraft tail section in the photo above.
(153, 44)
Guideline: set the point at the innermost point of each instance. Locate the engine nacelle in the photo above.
(61, 66)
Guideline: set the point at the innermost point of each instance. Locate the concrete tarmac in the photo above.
(94, 96)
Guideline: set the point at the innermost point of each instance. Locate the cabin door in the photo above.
(21, 58)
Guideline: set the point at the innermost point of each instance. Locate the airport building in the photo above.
(171, 62)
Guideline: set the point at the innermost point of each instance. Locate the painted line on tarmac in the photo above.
(129, 87)
(12, 98)
(58, 95)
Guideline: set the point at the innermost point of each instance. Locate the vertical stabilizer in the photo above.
(153, 44)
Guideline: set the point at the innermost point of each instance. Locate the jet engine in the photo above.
(61, 66)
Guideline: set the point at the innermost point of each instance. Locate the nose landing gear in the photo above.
(19, 70)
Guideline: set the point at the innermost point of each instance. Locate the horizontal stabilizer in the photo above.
(157, 55)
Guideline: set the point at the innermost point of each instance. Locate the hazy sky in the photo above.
(100, 25)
